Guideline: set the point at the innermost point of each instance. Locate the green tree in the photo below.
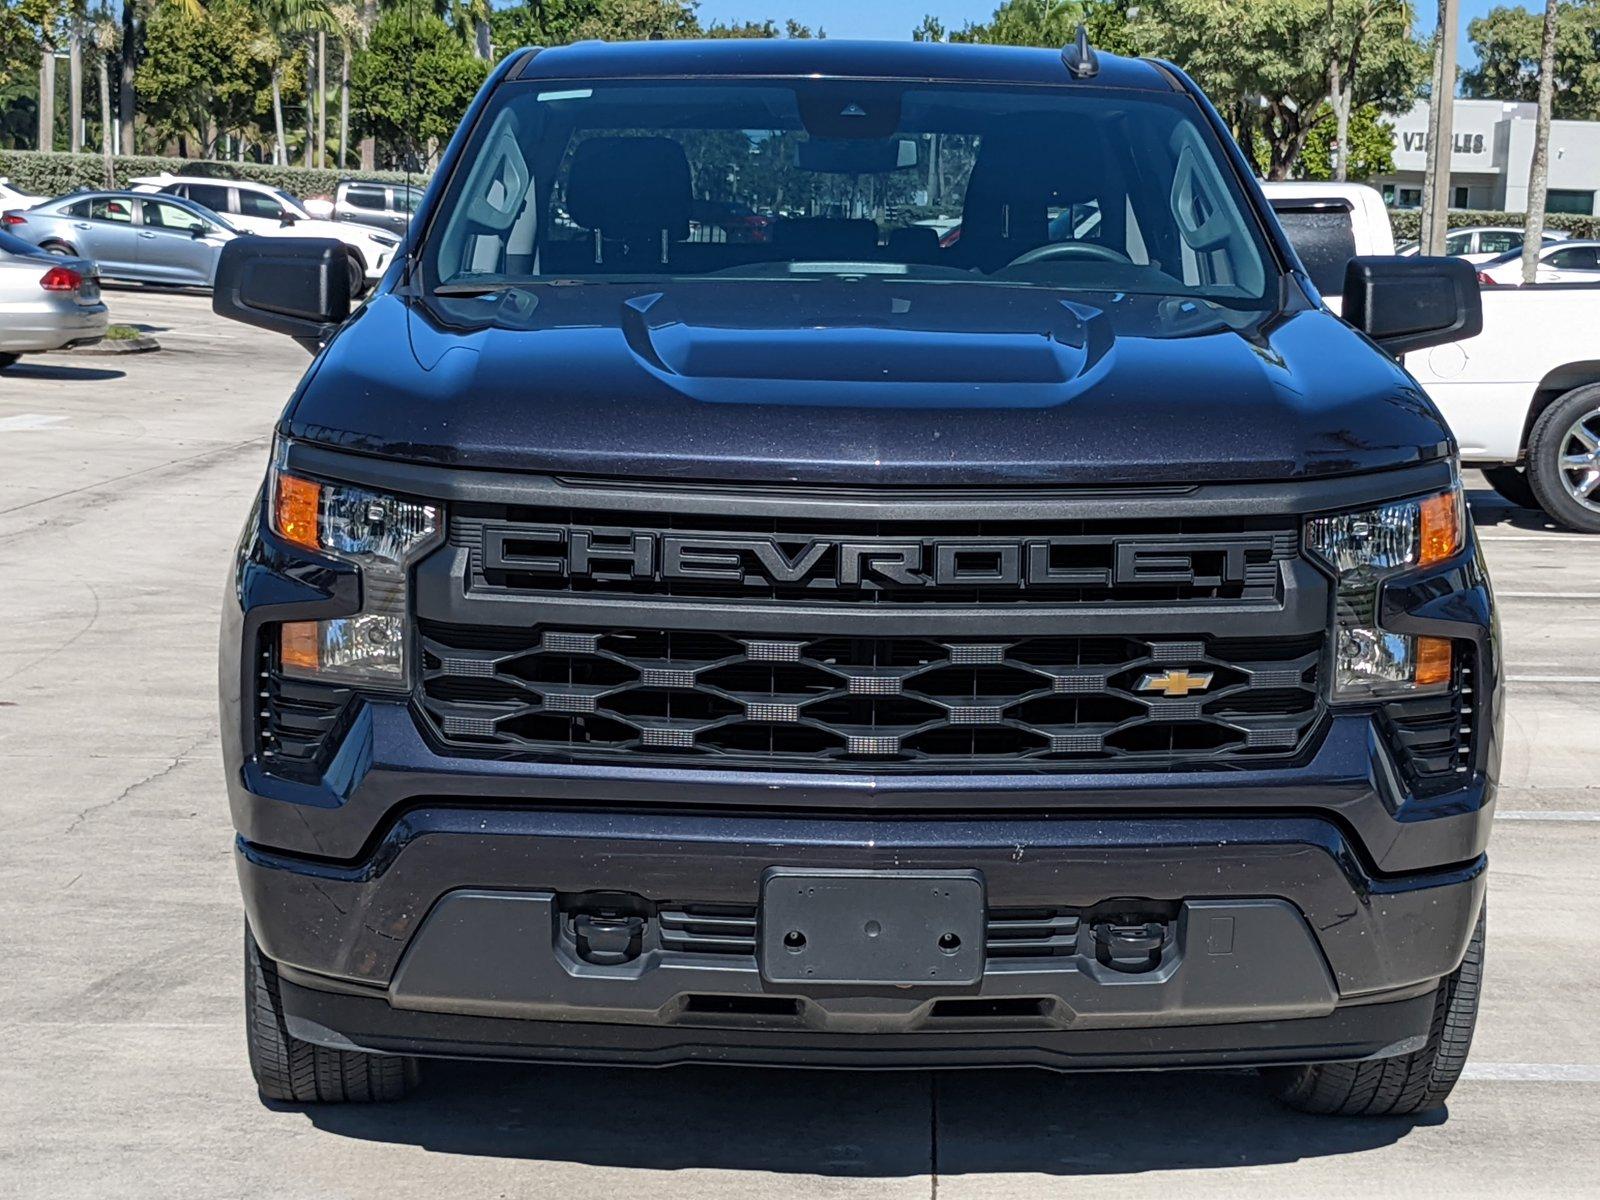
(1369, 146)
(413, 83)
(1039, 23)
(1507, 44)
(205, 74)
(1269, 65)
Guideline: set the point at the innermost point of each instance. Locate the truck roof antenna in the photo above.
(1080, 57)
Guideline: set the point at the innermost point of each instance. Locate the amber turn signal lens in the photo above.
(297, 647)
(1441, 527)
(1433, 661)
(295, 510)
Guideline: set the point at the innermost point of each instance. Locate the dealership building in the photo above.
(1491, 151)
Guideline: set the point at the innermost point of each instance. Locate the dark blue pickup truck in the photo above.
(862, 555)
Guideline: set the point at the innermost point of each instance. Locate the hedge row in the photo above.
(1408, 221)
(54, 173)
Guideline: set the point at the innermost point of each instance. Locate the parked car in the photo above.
(46, 302)
(1522, 397)
(10, 197)
(129, 236)
(259, 208)
(1560, 262)
(1071, 654)
(1480, 243)
(389, 205)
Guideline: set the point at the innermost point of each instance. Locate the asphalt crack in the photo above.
(154, 777)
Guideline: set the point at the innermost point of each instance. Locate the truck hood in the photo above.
(941, 385)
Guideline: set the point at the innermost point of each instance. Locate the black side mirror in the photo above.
(197, 230)
(1412, 303)
(298, 286)
(287, 218)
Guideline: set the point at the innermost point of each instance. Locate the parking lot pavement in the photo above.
(123, 482)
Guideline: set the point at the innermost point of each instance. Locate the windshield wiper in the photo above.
(479, 288)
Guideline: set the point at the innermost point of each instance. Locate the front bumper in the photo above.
(456, 934)
(419, 899)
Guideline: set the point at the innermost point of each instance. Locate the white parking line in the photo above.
(1550, 679)
(1499, 595)
(1529, 814)
(24, 422)
(1540, 537)
(1533, 1072)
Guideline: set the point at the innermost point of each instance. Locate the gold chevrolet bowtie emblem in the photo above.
(1176, 683)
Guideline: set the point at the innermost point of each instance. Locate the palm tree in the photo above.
(1539, 170)
(470, 20)
(286, 22)
(104, 34)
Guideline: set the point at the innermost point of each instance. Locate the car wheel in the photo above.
(1406, 1083)
(59, 248)
(300, 1072)
(358, 276)
(1512, 484)
(8, 360)
(1564, 459)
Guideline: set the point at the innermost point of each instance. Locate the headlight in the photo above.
(1365, 548)
(383, 534)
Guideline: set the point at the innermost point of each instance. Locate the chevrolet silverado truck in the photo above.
(1064, 646)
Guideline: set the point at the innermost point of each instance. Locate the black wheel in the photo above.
(358, 276)
(1407, 1083)
(287, 1068)
(1564, 459)
(1512, 484)
(8, 360)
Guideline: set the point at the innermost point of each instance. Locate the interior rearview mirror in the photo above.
(1406, 304)
(297, 286)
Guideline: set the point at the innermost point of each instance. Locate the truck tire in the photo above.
(1407, 1083)
(299, 1072)
(1564, 459)
(1511, 484)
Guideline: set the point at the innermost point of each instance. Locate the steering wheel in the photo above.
(1054, 250)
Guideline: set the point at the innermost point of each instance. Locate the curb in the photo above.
(139, 345)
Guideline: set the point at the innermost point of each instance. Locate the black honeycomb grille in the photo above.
(826, 700)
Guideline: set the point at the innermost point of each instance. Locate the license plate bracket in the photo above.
(899, 928)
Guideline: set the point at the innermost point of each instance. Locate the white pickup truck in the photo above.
(1523, 397)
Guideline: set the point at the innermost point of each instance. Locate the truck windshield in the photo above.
(1080, 189)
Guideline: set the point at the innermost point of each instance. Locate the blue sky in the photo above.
(896, 18)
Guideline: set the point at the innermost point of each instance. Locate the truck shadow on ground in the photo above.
(1490, 511)
(841, 1123)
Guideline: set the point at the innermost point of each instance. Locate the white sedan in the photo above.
(10, 197)
(1562, 262)
(260, 208)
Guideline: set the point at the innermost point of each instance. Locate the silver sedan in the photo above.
(47, 301)
(146, 239)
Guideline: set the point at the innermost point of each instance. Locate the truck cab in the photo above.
(1061, 644)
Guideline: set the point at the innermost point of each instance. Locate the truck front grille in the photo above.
(799, 700)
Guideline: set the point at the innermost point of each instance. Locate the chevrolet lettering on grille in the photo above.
(577, 553)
